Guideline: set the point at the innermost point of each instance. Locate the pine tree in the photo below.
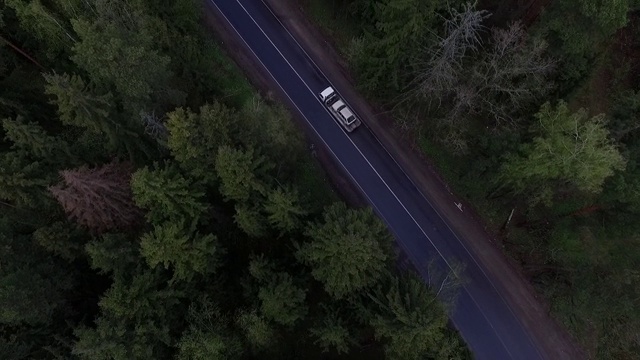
(168, 196)
(33, 139)
(194, 137)
(258, 331)
(250, 220)
(79, 104)
(411, 320)
(348, 251)
(32, 283)
(241, 173)
(281, 300)
(22, 182)
(116, 51)
(113, 253)
(283, 209)
(209, 335)
(99, 199)
(187, 254)
(332, 332)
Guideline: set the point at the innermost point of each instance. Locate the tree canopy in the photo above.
(568, 149)
(348, 251)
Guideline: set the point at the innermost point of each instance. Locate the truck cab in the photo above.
(327, 95)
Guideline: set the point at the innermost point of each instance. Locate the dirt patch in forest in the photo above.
(554, 340)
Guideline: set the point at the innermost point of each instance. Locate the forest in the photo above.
(155, 206)
(541, 100)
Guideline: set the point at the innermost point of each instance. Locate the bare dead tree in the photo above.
(153, 125)
(445, 282)
(436, 76)
(512, 74)
(99, 199)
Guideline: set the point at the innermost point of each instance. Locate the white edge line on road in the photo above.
(364, 157)
(391, 156)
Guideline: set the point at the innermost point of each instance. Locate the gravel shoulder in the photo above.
(554, 339)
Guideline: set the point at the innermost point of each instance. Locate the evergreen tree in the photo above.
(80, 104)
(188, 254)
(116, 50)
(240, 173)
(281, 300)
(410, 319)
(137, 314)
(60, 238)
(113, 253)
(209, 335)
(332, 333)
(193, 138)
(258, 331)
(32, 284)
(250, 220)
(22, 182)
(348, 251)
(33, 139)
(168, 195)
(284, 210)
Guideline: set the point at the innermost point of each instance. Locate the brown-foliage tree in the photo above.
(99, 199)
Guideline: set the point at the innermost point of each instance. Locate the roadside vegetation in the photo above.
(540, 100)
(154, 206)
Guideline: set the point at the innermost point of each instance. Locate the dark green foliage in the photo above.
(241, 173)
(281, 300)
(167, 195)
(61, 239)
(348, 251)
(194, 138)
(332, 332)
(577, 28)
(284, 209)
(209, 335)
(33, 139)
(22, 182)
(258, 331)
(113, 253)
(584, 166)
(567, 150)
(137, 313)
(399, 30)
(411, 320)
(186, 253)
(32, 284)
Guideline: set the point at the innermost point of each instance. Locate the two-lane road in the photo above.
(481, 314)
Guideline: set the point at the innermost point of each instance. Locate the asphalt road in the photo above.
(480, 313)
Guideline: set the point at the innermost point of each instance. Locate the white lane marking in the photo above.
(359, 151)
(394, 160)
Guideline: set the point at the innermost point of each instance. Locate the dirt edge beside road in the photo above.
(516, 289)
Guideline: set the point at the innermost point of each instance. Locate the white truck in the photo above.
(339, 109)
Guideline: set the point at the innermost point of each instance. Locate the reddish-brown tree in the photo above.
(100, 198)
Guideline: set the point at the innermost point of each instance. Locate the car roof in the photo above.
(337, 105)
(346, 113)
